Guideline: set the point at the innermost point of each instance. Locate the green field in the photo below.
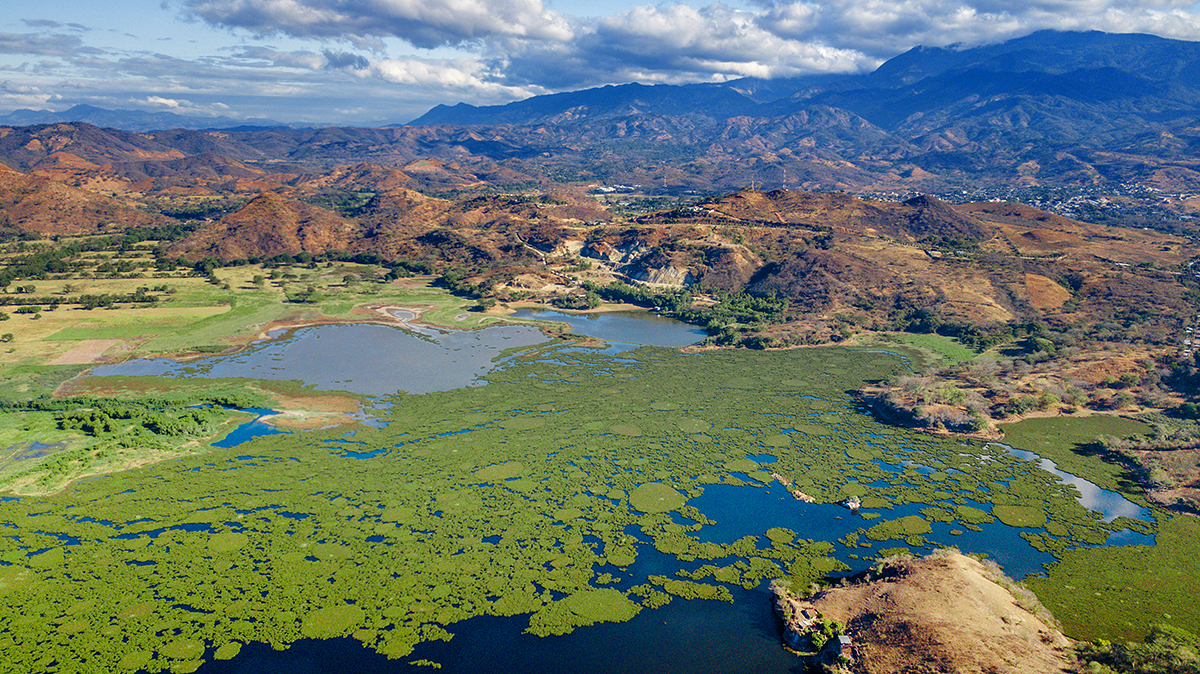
(925, 350)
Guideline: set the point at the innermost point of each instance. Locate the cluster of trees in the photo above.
(100, 417)
(41, 261)
(731, 308)
(927, 320)
(88, 301)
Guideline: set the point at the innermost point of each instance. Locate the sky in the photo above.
(388, 61)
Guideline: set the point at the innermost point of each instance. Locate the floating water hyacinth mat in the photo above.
(533, 495)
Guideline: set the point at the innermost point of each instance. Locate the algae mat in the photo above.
(533, 495)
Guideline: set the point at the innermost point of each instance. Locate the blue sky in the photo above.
(371, 61)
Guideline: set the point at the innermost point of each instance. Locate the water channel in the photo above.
(685, 636)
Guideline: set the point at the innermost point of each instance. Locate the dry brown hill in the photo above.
(37, 204)
(914, 220)
(271, 225)
(34, 147)
(944, 613)
(355, 177)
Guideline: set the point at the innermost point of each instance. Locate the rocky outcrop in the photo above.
(666, 276)
(620, 254)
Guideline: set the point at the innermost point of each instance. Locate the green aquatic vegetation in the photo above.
(688, 590)
(227, 651)
(976, 516)
(1020, 516)
(529, 513)
(580, 609)
(901, 528)
(1120, 593)
(655, 497)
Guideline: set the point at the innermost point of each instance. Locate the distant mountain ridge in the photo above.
(1076, 65)
(1048, 109)
(129, 120)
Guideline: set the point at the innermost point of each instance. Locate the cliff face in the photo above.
(943, 613)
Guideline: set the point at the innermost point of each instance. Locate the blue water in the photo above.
(742, 510)
(361, 358)
(684, 637)
(642, 328)
(1109, 504)
(251, 429)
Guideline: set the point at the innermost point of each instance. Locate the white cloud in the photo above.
(469, 76)
(305, 60)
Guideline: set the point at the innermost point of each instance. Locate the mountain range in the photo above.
(1089, 111)
(1049, 109)
(128, 120)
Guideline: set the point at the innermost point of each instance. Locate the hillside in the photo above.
(34, 205)
(942, 613)
(268, 226)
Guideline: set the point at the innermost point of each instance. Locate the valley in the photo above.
(273, 390)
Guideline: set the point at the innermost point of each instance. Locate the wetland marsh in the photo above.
(572, 488)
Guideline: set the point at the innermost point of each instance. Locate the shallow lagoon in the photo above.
(362, 358)
(626, 328)
(537, 473)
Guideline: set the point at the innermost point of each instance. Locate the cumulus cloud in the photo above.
(358, 56)
(527, 45)
(160, 101)
(882, 28)
(453, 77)
(424, 23)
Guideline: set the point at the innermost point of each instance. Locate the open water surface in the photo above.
(379, 359)
(362, 358)
(625, 328)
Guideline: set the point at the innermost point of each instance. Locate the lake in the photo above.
(380, 359)
(684, 636)
(624, 328)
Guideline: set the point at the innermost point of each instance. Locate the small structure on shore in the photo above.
(853, 503)
(808, 633)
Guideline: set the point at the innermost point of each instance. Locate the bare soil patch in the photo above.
(87, 351)
(1045, 294)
